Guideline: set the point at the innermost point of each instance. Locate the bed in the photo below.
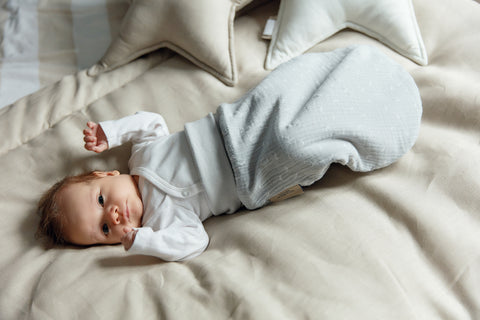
(401, 242)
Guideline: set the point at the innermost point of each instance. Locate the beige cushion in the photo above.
(303, 23)
(200, 30)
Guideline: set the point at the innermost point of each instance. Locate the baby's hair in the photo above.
(50, 227)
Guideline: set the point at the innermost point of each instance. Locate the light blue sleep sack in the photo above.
(353, 106)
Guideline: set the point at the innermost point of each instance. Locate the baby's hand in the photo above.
(94, 137)
(128, 238)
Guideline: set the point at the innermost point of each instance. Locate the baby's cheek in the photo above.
(117, 234)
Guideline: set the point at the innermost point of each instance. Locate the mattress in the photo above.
(400, 242)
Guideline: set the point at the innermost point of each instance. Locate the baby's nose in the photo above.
(114, 215)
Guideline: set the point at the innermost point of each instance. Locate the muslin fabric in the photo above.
(353, 106)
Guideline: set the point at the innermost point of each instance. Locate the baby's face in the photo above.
(101, 211)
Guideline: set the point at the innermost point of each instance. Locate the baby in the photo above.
(106, 207)
(352, 106)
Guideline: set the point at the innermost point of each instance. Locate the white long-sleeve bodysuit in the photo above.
(174, 197)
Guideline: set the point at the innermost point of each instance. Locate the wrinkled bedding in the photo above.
(402, 242)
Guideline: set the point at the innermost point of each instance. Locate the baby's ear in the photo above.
(103, 174)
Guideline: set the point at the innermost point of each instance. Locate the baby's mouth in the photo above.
(127, 213)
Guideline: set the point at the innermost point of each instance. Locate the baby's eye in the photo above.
(100, 200)
(105, 229)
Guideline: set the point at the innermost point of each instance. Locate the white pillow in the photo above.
(303, 23)
(200, 30)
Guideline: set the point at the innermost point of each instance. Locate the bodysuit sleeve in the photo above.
(183, 239)
(139, 127)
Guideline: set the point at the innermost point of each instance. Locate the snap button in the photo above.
(185, 193)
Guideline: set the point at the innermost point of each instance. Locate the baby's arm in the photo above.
(141, 126)
(94, 137)
(183, 239)
(175, 243)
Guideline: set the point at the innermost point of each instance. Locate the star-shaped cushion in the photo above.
(199, 30)
(303, 23)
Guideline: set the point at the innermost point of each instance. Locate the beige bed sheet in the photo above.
(398, 243)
